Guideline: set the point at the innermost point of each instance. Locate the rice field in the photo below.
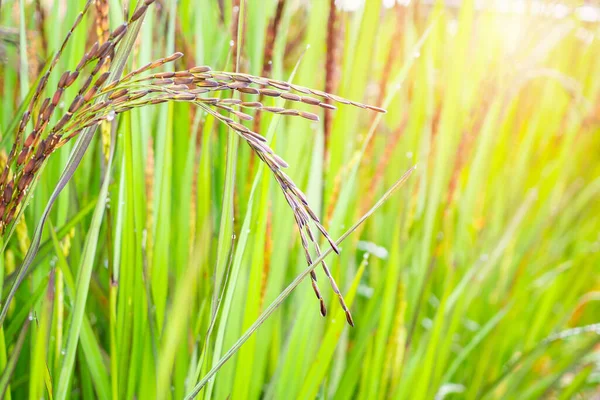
(295, 199)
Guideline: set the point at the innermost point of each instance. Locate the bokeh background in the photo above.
(479, 278)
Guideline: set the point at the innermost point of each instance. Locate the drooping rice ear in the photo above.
(135, 90)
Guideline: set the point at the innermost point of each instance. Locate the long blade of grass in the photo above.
(288, 290)
(89, 344)
(23, 57)
(331, 339)
(83, 282)
(226, 232)
(14, 357)
(245, 233)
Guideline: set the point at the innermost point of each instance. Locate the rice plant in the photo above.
(147, 254)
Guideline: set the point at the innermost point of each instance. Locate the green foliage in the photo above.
(174, 267)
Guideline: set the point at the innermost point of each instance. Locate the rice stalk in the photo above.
(97, 102)
(385, 161)
(267, 66)
(331, 65)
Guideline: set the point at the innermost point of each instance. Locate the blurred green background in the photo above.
(478, 279)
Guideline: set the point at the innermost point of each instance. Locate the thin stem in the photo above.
(288, 290)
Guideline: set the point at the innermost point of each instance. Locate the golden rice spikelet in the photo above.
(3, 159)
(65, 244)
(9, 268)
(22, 235)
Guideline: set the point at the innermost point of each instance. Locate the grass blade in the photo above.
(288, 290)
(14, 357)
